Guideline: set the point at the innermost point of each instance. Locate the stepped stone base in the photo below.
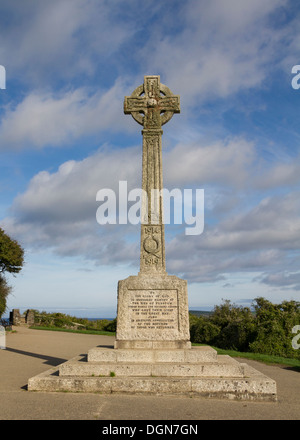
(198, 371)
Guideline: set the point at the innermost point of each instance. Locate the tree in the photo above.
(4, 291)
(11, 254)
(11, 261)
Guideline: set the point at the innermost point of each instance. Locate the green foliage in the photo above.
(268, 330)
(203, 331)
(11, 260)
(11, 254)
(274, 327)
(60, 320)
(4, 291)
(111, 326)
(237, 326)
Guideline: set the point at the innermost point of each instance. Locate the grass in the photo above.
(86, 332)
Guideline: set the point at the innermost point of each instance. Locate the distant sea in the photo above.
(6, 319)
(201, 312)
(98, 319)
(194, 312)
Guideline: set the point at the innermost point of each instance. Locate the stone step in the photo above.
(254, 386)
(195, 354)
(225, 367)
(154, 344)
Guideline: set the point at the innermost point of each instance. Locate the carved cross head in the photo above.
(152, 104)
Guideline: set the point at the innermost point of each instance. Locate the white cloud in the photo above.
(223, 48)
(281, 174)
(58, 119)
(55, 39)
(225, 163)
(264, 239)
(282, 279)
(58, 210)
(70, 193)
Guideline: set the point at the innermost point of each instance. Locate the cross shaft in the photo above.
(152, 104)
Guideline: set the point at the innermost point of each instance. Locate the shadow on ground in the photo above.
(49, 360)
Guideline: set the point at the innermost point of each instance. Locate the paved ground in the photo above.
(29, 352)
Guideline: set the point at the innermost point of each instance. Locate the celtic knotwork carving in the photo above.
(152, 104)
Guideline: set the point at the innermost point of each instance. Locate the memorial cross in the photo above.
(152, 104)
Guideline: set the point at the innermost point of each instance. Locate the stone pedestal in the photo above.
(152, 312)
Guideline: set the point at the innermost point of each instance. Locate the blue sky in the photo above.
(63, 137)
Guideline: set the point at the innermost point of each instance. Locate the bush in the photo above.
(267, 330)
(237, 326)
(203, 331)
(236, 336)
(111, 326)
(274, 328)
(99, 324)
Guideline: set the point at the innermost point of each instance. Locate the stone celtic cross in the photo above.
(152, 104)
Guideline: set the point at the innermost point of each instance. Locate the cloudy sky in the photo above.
(63, 137)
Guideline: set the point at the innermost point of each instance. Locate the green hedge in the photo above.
(267, 329)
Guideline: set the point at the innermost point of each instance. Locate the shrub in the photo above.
(100, 324)
(203, 331)
(268, 330)
(274, 328)
(111, 326)
(237, 335)
(237, 326)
